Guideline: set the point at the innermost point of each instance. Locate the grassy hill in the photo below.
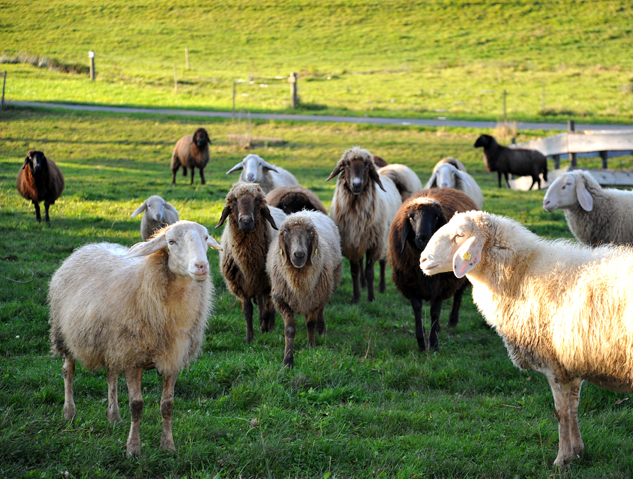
(422, 59)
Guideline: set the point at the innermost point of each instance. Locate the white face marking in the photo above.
(445, 176)
(356, 181)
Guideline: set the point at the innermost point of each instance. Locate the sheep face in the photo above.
(446, 176)
(245, 202)
(424, 218)
(567, 191)
(36, 161)
(253, 166)
(297, 242)
(483, 141)
(155, 207)
(357, 170)
(201, 138)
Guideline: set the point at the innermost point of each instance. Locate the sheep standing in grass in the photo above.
(363, 206)
(562, 309)
(595, 215)
(111, 309)
(191, 151)
(517, 161)
(159, 214)
(245, 243)
(405, 179)
(417, 220)
(305, 267)
(447, 175)
(256, 170)
(294, 198)
(40, 179)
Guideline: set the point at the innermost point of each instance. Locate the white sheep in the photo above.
(446, 175)
(405, 179)
(111, 309)
(256, 170)
(159, 214)
(363, 206)
(562, 309)
(305, 266)
(595, 215)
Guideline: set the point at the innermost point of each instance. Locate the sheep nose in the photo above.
(250, 177)
(200, 267)
(356, 181)
(443, 185)
(299, 254)
(546, 202)
(246, 223)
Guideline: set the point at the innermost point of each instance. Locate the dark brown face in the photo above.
(298, 243)
(421, 224)
(201, 137)
(36, 159)
(245, 210)
(357, 174)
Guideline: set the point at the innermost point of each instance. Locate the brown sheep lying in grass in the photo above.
(295, 198)
(40, 179)
(191, 151)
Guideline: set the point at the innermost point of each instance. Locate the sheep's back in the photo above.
(189, 154)
(523, 162)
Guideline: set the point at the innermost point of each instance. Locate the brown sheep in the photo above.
(40, 179)
(191, 151)
(294, 198)
(417, 220)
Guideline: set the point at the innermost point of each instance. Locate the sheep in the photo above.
(517, 161)
(191, 151)
(451, 161)
(111, 309)
(159, 214)
(256, 170)
(562, 308)
(363, 206)
(305, 266)
(40, 179)
(294, 198)
(594, 215)
(379, 162)
(447, 175)
(417, 219)
(245, 241)
(405, 179)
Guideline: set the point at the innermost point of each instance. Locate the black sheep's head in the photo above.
(424, 217)
(37, 161)
(246, 201)
(484, 141)
(298, 240)
(201, 138)
(357, 170)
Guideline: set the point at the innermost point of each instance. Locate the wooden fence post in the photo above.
(556, 162)
(4, 81)
(293, 89)
(604, 155)
(175, 80)
(91, 55)
(187, 56)
(571, 127)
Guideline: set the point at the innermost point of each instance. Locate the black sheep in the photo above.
(417, 220)
(40, 179)
(191, 151)
(516, 161)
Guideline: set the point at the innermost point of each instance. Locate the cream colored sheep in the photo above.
(305, 266)
(112, 309)
(446, 175)
(159, 214)
(562, 309)
(405, 179)
(256, 170)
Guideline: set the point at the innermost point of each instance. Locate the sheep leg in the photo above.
(247, 309)
(507, 182)
(382, 285)
(68, 372)
(289, 332)
(174, 169)
(453, 319)
(354, 267)
(47, 205)
(369, 276)
(113, 399)
(578, 447)
(363, 281)
(184, 171)
(38, 216)
(321, 322)
(193, 172)
(266, 313)
(436, 309)
(561, 392)
(133, 379)
(499, 178)
(202, 180)
(420, 332)
(166, 410)
(311, 323)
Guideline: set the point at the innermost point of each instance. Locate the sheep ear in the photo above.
(223, 216)
(170, 208)
(404, 234)
(140, 209)
(335, 172)
(373, 174)
(314, 247)
(148, 247)
(266, 214)
(268, 166)
(462, 177)
(584, 198)
(467, 256)
(212, 242)
(239, 166)
(432, 181)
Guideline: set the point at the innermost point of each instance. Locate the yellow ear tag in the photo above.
(467, 256)
(281, 252)
(316, 251)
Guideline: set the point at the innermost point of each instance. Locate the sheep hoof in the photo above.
(69, 411)
(289, 362)
(371, 299)
(167, 445)
(579, 451)
(562, 461)
(133, 450)
(113, 416)
(355, 300)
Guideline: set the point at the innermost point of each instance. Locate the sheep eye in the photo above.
(171, 242)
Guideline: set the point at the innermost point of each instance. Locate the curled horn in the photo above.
(239, 166)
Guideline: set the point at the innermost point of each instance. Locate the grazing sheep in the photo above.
(111, 309)
(191, 151)
(305, 268)
(364, 204)
(256, 170)
(595, 215)
(562, 309)
(159, 214)
(405, 179)
(447, 175)
(40, 179)
(517, 161)
(245, 243)
(417, 220)
(294, 198)
(451, 161)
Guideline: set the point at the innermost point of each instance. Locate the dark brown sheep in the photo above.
(294, 198)
(40, 179)
(191, 151)
(417, 220)
(516, 161)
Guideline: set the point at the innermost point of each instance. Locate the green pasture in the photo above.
(363, 403)
(556, 59)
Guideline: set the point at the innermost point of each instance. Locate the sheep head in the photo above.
(423, 217)
(298, 241)
(201, 138)
(245, 201)
(357, 169)
(253, 166)
(484, 141)
(187, 243)
(36, 161)
(567, 191)
(155, 207)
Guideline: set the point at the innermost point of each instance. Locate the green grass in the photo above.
(362, 403)
(405, 59)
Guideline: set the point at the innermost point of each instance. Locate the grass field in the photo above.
(362, 403)
(407, 59)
